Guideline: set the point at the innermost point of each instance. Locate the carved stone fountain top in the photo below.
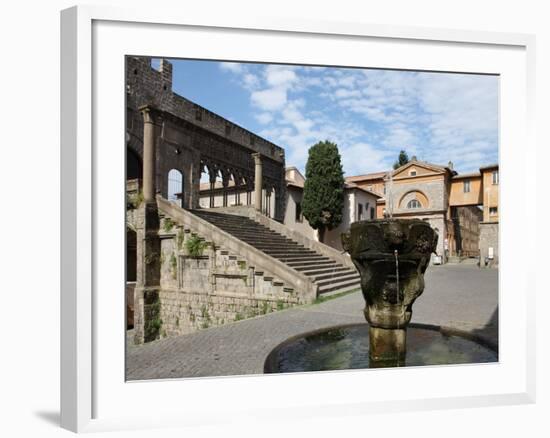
(391, 256)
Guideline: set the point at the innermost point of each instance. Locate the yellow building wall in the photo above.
(376, 185)
(490, 197)
(418, 169)
(473, 197)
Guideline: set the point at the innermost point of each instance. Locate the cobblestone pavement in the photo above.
(463, 297)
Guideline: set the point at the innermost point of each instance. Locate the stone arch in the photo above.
(134, 166)
(131, 273)
(411, 195)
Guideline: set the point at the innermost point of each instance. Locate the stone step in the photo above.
(269, 241)
(301, 266)
(304, 258)
(339, 287)
(352, 276)
(282, 252)
(324, 270)
(334, 276)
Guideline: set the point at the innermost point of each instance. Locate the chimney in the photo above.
(413, 158)
(450, 165)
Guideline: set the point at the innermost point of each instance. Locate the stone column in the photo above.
(213, 173)
(258, 181)
(225, 184)
(149, 158)
(146, 294)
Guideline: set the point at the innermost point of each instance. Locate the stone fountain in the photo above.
(391, 256)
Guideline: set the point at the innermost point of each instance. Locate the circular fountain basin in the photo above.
(347, 347)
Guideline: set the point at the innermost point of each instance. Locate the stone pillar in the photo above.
(146, 295)
(149, 158)
(225, 185)
(212, 177)
(258, 181)
(387, 347)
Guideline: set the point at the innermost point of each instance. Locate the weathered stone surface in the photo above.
(488, 238)
(391, 256)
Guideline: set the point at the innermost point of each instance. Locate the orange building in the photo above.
(462, 208)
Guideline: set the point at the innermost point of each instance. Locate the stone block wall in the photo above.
(488, 238)
(207, 290)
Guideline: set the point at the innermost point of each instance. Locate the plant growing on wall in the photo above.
(195, 246)
(168, 225)
(180, 238)
(174, 265)
(134, 201)
(323, 201)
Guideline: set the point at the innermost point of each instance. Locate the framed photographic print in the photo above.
(273, 216)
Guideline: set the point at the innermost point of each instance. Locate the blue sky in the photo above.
(371, 114)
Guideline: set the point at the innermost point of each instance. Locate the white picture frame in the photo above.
(93, 397)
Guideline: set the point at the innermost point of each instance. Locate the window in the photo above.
(299, 216)
(493, 211)
(360, 211)
(495, 177)
(372, 212)
(412, 173)
(414, 203)
(466, 186)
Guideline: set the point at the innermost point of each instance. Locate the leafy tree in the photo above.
(323, 201)
(401, 160)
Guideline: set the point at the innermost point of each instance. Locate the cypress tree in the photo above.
(323, 201)
(401, 160)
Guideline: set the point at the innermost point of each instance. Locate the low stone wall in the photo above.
(184, 312)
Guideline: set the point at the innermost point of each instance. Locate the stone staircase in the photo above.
(330, 276)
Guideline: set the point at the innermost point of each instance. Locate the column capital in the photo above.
(257, 158)
(149, 113)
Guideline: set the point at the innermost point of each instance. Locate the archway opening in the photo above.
(131, 274)
(175, 187)
(134, 168)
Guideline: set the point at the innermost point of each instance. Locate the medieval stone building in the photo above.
(192, 266)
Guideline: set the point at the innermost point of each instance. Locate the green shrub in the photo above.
(195, 246)
(168, 224)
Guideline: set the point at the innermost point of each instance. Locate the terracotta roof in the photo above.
(489, 166)
(375, 175)
(351, 186)
(467, 175)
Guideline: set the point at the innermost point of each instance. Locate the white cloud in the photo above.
(360, 158)
(263, 118)
(233, 67)
(250, 81)
(270, 99)
(343, 93)
(280, 76)
(438, 117)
